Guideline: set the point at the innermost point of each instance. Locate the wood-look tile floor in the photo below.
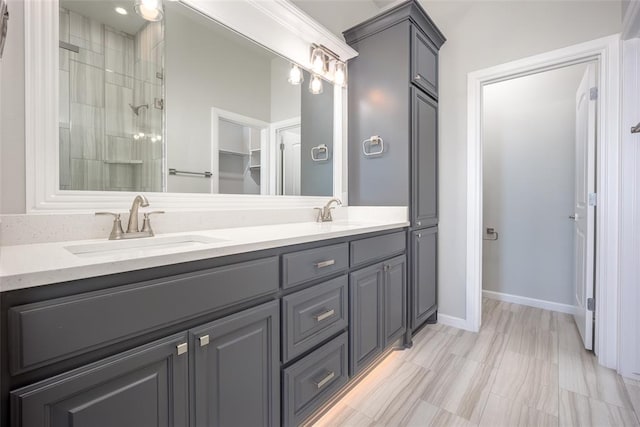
(526, 367)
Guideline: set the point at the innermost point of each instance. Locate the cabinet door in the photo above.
(395, 298)
(424, 62)
(143, 387)
(424, 274)
(424, 205)
(237, 370)
(367, 327)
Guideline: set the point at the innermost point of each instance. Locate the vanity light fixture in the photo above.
(295, 75)
(121, 10)
(326, 63)
(315, 86)
(151, 10)
(318, 59)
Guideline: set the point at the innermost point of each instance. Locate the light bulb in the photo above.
(339, 75)
(317, 60)
(315, 87)
(295, 75)
(151, 10)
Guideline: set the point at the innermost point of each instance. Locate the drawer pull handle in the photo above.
(204, 340)
(325, 315)
(326, 379)
(324, 264)
(182, 348)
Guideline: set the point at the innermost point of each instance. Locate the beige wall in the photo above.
(482, 34)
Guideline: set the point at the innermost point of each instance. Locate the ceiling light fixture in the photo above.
(295, 75)
(121, 10)
(151, 10)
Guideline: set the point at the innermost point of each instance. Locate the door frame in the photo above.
(606, 52)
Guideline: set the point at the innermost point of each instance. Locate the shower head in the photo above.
(136, 108)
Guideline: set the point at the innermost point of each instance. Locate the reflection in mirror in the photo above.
(184, 105)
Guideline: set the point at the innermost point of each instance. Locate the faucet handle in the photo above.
(319, 217)
(116, 230)
(146, 221)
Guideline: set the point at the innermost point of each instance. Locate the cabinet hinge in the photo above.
(281, 146)
(591, 304)
(593, 93)
(593, 199)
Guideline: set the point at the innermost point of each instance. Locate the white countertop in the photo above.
(29, 265)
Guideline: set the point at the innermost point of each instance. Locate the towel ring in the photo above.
(316, 153)
(375, 140)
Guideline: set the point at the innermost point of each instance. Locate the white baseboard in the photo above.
(531, 302)
(455, 322)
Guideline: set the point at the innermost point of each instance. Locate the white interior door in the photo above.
(291, 159)
(584, 210)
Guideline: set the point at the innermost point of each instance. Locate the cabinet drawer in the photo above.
(314, 379)
(424, 63)
(299, 267)
(313, 315)
(45, 332)
(377, 248)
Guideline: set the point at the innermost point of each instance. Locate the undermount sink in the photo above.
(143, 245)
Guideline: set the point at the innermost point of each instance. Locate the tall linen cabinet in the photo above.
(393, 135)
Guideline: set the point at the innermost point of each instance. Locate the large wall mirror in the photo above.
(184, 105)
(197, 107)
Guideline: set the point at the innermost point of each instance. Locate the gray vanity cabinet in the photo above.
(424, 209)
(147, 386)
(424, 275)
(367, 327)
(424, 63)
(395, 297)
(237, 370)
(398, 63)
(378, 310)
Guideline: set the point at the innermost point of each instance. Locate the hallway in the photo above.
(526, 367)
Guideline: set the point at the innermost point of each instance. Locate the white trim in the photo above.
(606, 51)
(631, 21)
(629, 354)
(278, 25)
(454, 322)
(530, 302)
(275, 179)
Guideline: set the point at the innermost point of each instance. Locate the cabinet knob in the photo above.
(204, 340)
(418, 77)
(419, 235)
(419, 222)
(182, 348)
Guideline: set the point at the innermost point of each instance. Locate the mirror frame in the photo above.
(277, 25)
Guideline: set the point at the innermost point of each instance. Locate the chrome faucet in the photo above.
(132, 228)
(324, 213)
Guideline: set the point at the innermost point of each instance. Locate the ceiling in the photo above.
(104, 11)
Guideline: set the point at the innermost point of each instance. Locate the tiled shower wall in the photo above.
(104, 145)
